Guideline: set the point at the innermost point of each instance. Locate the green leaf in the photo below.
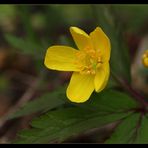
(47, 101)
(104, 108)
(24, 45)
(111, 101)
(57, 98)
(142, 135)
(61, 124)
(132, 130)
(120, 61)
(125, 132)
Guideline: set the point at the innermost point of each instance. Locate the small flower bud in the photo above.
(145, 59)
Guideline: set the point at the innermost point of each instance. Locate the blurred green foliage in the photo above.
(4, 83)
(133, 17)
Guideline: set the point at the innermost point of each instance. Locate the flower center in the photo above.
(88, 60)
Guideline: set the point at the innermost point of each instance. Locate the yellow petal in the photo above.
(101, 42)
(102, 76)
(81, 38)
(61, 58)
(80, 87)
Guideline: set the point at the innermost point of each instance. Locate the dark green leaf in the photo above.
(131, 130)
(104, 108)
(61, 124)
(126, 131)
(111, 101)
(142, 135)
(45, 102)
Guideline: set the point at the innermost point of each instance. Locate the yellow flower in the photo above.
(145, 59)
(90, 64)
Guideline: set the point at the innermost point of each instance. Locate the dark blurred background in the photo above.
(26, 31)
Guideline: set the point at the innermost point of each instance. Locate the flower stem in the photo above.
(127, 87)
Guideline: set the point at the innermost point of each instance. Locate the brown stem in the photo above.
(131, 90)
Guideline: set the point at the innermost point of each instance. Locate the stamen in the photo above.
(88, 60)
